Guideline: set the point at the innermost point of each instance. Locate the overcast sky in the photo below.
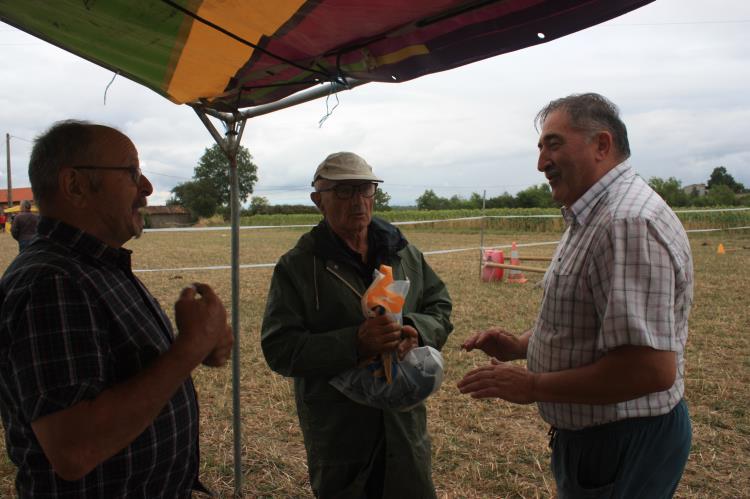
(678, 69)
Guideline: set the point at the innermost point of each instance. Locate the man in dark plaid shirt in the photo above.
(95, 390)
(606, 356)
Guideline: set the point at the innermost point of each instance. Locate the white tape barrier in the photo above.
(212, 267)
(717, 230)
(411, 222)
(432, 252)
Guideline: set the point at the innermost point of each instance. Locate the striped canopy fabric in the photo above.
(233, 54)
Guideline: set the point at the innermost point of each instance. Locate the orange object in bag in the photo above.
(381, 294)
(385, 296)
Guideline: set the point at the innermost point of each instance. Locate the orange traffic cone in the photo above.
(515, 275)
(720, 250)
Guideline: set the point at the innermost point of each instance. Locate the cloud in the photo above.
(678, 70)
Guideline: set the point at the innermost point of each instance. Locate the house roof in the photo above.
(19, 194)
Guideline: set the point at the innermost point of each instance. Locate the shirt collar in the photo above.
(83, 242)
(582, 208)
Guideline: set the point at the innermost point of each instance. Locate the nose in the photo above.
(543, 162)
(145, 186)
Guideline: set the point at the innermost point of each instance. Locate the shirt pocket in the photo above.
(561, 296)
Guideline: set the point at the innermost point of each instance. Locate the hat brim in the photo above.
(348, 176)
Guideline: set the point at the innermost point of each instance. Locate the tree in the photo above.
(431, 201)
(721, 195)
(536, 196)
(475, 200)
(382, 199)
(213, 167)
(670, 190)
(209, 189)
(720, 176)
(198, 196)
(259, 205)
(504, 200)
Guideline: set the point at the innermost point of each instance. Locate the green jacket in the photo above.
(309, 332)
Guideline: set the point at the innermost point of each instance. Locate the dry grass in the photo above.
(481, 449)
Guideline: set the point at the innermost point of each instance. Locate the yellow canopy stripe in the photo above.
(209, 59)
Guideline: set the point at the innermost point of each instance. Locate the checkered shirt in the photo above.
(621, 275)
(74, 322)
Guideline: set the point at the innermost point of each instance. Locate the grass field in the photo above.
(480, 449)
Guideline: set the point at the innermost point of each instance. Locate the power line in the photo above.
(150, 172)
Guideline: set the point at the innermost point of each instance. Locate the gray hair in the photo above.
(25, 205)
(590, 113)
(61, 145)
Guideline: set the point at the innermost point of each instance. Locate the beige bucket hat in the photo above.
(345, 166)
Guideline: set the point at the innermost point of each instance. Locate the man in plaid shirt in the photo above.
(605, 358)
(95, 390)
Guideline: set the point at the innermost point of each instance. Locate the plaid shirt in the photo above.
(621, 275)
(74, 322)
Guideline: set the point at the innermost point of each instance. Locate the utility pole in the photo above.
(10, 184)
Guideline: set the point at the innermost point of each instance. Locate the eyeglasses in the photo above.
(347, 191)
(135, 171)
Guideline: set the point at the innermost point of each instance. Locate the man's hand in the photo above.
(219, 355)
(409, 341)
(202, 323)
(500, 380)
(378, 335)
(497, 343)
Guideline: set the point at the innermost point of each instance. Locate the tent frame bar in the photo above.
(300, 97)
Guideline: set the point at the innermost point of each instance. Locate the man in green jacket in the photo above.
(314, 329)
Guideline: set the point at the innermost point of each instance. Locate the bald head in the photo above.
(66, 143)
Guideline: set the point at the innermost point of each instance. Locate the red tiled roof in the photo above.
(19, 194)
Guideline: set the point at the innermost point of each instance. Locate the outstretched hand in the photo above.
(496, 343)
(500, 380)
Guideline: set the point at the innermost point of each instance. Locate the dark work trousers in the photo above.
(631, 458)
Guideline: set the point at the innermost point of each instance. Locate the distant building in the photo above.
(17, 195)
(698, 189)
(159, 217)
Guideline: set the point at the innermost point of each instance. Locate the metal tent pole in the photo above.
(235, 126)
(481, 235)
(231, 145)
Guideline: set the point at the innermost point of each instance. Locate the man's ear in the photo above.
(70, 188)
(318, 200)
(603, 145)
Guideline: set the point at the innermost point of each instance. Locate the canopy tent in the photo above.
(233, 59)
(17, 208)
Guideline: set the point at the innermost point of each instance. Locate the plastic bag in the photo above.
(416, 377)
(386, 382)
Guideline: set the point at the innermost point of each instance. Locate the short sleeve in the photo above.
(632, 278)
(57, 349)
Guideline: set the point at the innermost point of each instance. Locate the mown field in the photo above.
(480, 449)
